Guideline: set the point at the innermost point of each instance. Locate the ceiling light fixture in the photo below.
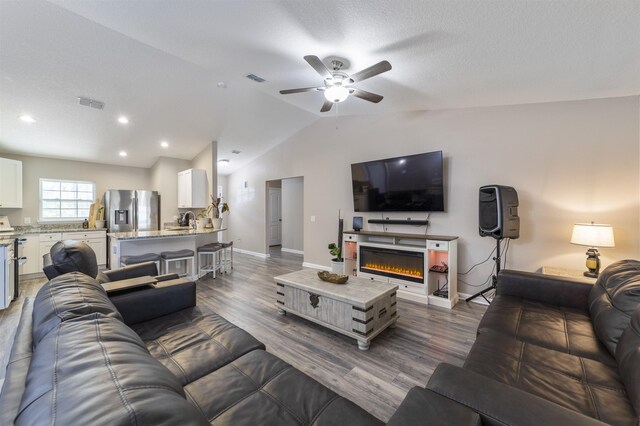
(122, 153)
(164, 144)
(222, 85)
(27, 119)
(223, 163)
(336, 94)
(123, 120)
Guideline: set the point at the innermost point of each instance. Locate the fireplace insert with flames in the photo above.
(400, 264)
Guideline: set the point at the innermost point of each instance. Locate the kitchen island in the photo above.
(141, 242)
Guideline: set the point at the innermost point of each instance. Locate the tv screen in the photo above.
(413, 183)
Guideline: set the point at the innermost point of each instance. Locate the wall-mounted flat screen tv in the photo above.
(413, 183)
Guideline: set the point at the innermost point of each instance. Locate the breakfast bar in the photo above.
(141, 242)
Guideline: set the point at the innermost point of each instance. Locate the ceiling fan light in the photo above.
(336, 94)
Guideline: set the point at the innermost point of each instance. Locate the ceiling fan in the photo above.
(337, 84)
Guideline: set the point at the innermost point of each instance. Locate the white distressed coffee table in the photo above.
(360, 309)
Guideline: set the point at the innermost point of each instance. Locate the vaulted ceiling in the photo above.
(159, 63)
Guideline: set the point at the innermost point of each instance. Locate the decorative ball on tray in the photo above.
(332, 278)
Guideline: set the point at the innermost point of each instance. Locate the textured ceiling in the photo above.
(158, 63)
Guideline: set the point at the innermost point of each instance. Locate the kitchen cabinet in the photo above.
(192, 189)
(46, 242)
(31, 250)
(11, 188)
(97, 240)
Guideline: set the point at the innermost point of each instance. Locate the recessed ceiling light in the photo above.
(123, 120)
(223, 163)
(164, 144)
(122, 153)
(27, 119)
(222, 85)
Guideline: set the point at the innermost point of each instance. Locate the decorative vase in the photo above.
(200, 224)
(217, 222)
(337, 267)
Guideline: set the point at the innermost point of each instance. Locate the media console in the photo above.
(425, 267)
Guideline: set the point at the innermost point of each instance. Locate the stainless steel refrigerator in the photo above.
(127, 211)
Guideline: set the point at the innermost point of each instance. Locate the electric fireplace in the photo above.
(400, 264)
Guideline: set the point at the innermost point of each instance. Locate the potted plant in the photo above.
(217, 207)
(337, 261)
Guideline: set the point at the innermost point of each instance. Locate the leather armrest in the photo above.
(132, 271)
(425, 407)
(165, 298)
(550, 289)
(501, 404)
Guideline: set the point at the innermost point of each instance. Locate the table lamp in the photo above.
(592, 235)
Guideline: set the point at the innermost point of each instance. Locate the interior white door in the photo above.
(275, 216)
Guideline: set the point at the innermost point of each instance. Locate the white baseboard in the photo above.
(251, 253)
(479, 300)
(315, 266)
(294, 251)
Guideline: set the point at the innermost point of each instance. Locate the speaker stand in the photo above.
(494, 277)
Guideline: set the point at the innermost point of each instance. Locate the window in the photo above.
(65, 200)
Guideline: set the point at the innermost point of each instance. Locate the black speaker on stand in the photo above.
(497, 218)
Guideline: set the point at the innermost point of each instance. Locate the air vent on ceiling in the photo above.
(90, 103)
(235, 151)
(255, 78)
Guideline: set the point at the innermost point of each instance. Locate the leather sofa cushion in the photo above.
(192, 345)
(66, 297)
(612, 300)
(580, 384)
(628, 356)
(554, 327)
(423, 406)
(95, 370)
(259, 388)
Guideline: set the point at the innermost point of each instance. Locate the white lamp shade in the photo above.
(336, 94)
(592, 235)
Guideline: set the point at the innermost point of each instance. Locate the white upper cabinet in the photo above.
(10, 183)
(192, 189)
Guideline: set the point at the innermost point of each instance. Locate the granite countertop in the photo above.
(161, 234)
(44, 229)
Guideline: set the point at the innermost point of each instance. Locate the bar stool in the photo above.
(227, 247)
(141, 258)
(179, 256)
(214, 250)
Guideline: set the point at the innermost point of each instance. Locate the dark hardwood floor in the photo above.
(377, 379)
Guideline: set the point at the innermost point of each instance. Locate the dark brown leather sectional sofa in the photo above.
(549, 351)
(76, 362)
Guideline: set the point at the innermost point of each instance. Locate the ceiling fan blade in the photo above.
(326, 106)
(367, 96)
(373, 70)
(317, 65)
(304, 89)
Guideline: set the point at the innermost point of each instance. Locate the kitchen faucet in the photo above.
(193, 222)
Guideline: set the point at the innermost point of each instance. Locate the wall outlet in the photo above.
(27, 220)
(313, 218)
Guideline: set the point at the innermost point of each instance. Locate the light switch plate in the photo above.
(313, 218)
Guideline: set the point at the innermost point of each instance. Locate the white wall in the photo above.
(293, 214)
(569, 161)
(105, 176)
(164, 179)
(207, 159)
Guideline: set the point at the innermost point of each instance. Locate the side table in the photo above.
(566, 272)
